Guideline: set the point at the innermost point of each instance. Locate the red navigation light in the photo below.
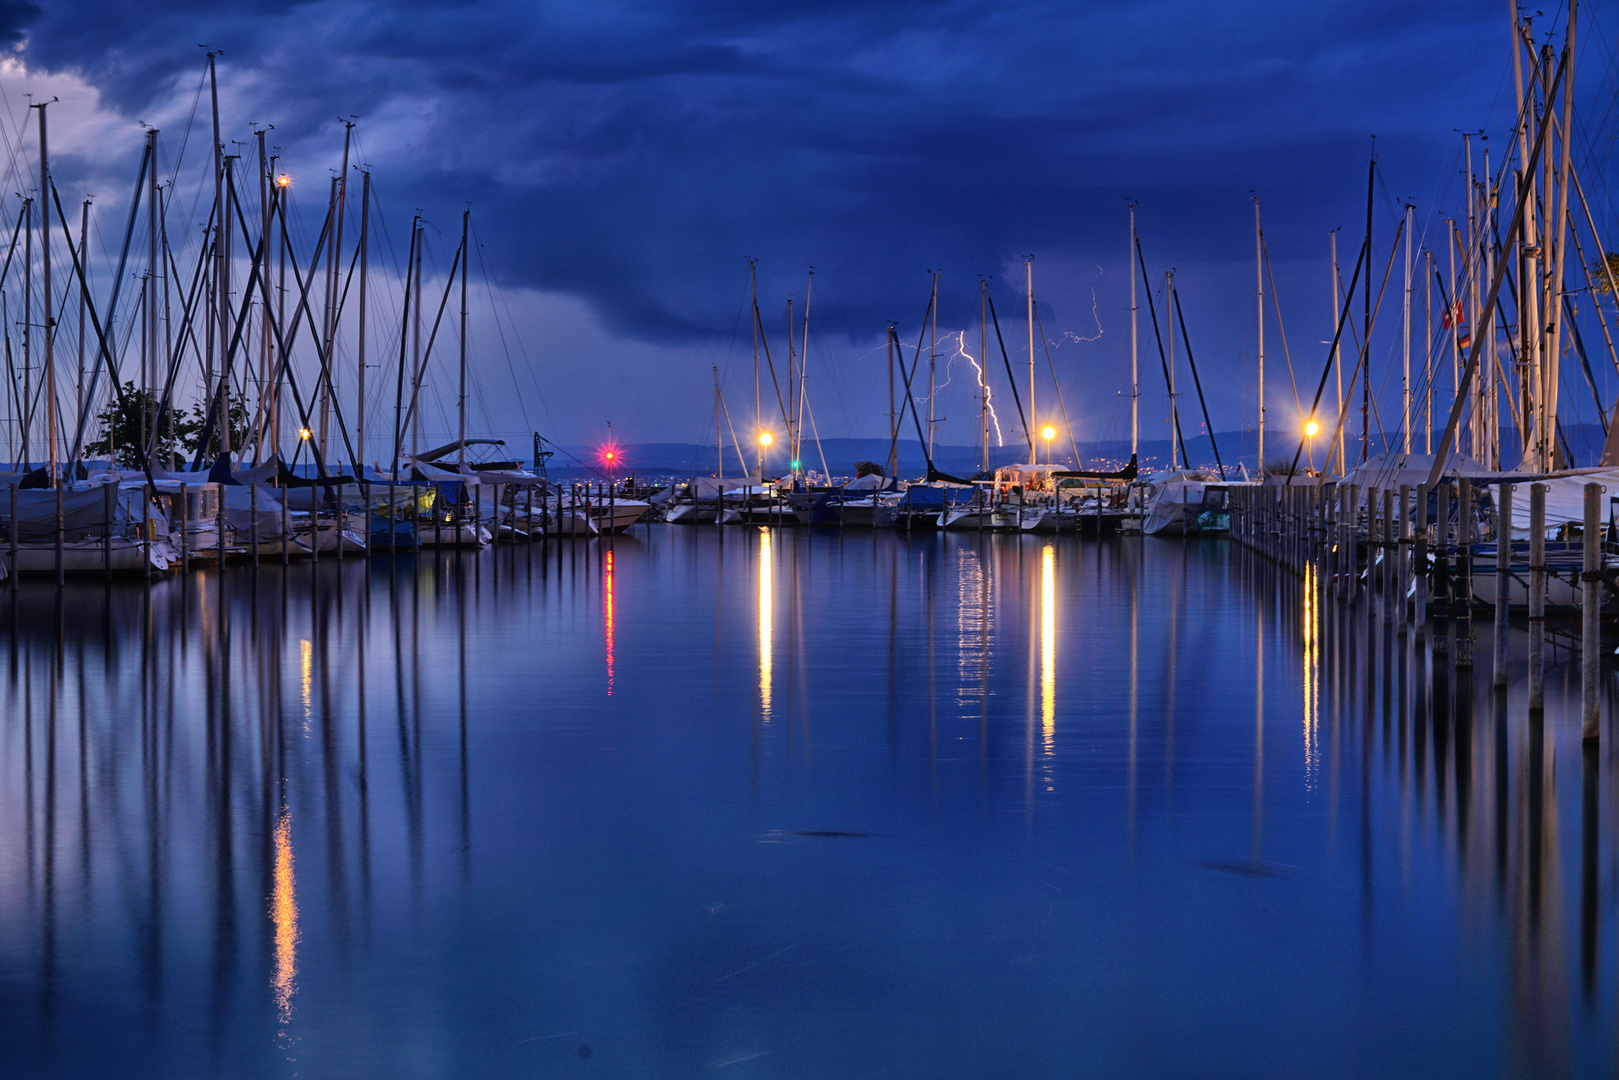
(608, 455)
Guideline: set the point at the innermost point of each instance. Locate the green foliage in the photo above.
(122, 427)
(1601, 279)
(1280, 467)
(125, 425)
(238, 430)
(868, 468)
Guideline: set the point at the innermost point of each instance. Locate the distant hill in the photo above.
(841, 455)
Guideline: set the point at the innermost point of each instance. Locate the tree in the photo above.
(238, 430)
(867, 468)
(125, 425)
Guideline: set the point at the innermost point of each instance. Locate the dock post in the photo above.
(1391, 558)
(56, 482)
(1503, 579)
(253, 526)
(185, 528)
(1464, 573)
(11, 534)
(1419, 562)
(1537, 598)
(1404, 588)
(1441, 574)
(219, 523)
(286, 526)
(107, 506)
(1374, 549)
(1590, 613)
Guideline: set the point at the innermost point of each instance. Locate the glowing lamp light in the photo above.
(1048, 432)
(1312, 428)
(305, 434)
(765, 438)
(795, 464)
(283, 180)
(609, 455)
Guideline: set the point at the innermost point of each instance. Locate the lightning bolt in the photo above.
(978, 370)
(1095, 316)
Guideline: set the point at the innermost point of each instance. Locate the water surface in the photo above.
(722, 802)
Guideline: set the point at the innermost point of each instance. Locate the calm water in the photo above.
(792, 805)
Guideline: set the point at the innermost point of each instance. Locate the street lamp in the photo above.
(305, 434)
(765, 438)
(1048, 433)
(1311, 429)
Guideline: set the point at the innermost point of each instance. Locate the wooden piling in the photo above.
(1464, 573)
(1590, 614)
(1419, 561)
(1537, 598)
(1503, 579)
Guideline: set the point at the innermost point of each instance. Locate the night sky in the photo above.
(622, 160)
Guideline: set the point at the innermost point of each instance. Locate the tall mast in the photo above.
(792, 384)
(1135, 382)
(1366, 325)
(84, 286)
(719, 444)
(1338, 355)
(758, 416)
(1174, 411)
(933, 356)
(1427, 358)
(1470, 268)
(1259, 280)
(461, 399)
(1455, 335)
(27, 333)
(1405, 377)
(340, 200)
(893, 421)
(50, 307)
(416, 334)
(266, 395)
(803, 370)
(1028, 279)
(221, 263)
(983, 373)
(365, 252)
(1557, 232)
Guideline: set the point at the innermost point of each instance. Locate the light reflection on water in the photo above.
(828, 814)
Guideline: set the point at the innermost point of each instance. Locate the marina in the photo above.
(462, 615)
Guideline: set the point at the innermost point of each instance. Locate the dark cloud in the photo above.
(634, 152)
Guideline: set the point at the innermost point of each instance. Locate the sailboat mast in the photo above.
(416, 362)
(50, 307)
(1405, 335)
(893, 421)
(266, 408)
(1338, 354)
(1557, 232)
(1174, 410)
(758, 415)
(1427, 357)
(719, 442)
(84, 287)
(1259, 279)
(221, 262)
(1135, 380)
(803, 370)
(792, 385)
(28, 333)
(1028, 281)
(933, 357)
(983, 373)
(1366, 326)
(365, 251)
(461, 399)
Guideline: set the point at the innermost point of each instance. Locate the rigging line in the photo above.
(1072, 445)
(819, 450)
(185, 137)
(1337, 335)
(759, 325)
(1180, 317)
(909, 400)
(1152, 310)
(427, 353)
(103, 356)
(735, 445)
(1012, 382)
(1277, 307)
(490, 290)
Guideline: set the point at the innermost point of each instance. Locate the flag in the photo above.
(1452, 315)
(1464, 340)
